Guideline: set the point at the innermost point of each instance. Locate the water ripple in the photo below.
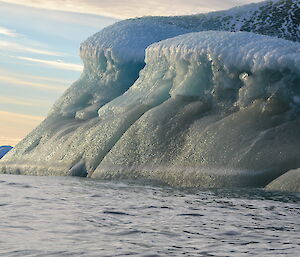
(50, 216)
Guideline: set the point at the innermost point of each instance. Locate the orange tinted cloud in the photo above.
(15, 47)
(133, 8)
(55, 64)
(21, 82)
(15, 126)
(8, 32)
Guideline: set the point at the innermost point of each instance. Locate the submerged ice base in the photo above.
(207, 109)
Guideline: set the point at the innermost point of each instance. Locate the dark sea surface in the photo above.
(67, 216)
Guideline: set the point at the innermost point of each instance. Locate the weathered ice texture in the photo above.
(290, 181)
(161, 100)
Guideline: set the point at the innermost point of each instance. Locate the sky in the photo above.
(39, 42)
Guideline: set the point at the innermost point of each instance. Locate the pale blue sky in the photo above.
(38, 61)
(39, 49)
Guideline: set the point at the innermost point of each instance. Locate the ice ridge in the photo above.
(196, 108)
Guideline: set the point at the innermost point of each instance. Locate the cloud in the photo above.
(22, 82)
(11, 100)
(62, 82)
(8, 32)
(55, 64)
(15, 47)
(21, 101)
(9, 140)
(12, 116)
(37, 79)
(15, 126)
(133, 8)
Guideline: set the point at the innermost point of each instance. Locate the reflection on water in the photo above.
(59, 216)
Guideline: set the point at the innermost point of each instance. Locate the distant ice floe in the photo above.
(4, 150)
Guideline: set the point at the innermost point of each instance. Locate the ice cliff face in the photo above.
(209, 109)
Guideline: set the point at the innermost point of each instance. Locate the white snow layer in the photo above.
(209, 109)
(112, 60)
(205, 64)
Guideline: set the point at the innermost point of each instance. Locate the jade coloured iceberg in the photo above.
(170, 100)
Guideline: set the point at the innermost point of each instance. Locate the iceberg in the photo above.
(289, 181)
(175, 100)
(4, 150)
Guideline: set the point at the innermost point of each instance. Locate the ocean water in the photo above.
(67, 216)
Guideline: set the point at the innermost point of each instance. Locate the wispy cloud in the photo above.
(19, 81)
(21, 101)
(14, 116)
(8, 32)
(55, 82)
(133, 8)
(15, 126)
(15, 47)
(55, 64)
(9, 140)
